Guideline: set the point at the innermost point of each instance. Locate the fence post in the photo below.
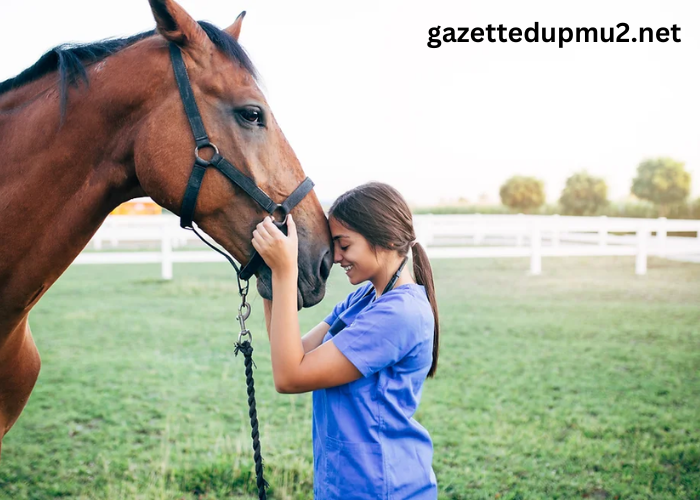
(166, 247)
(603, 231)
(536, 255)
(555, 230)
(112, 224)
(641, 263)
(519, 236)
(661, 233)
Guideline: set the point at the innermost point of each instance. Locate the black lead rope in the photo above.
(246, 348)
(247, 351)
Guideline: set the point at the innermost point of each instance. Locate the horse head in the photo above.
(239, 122)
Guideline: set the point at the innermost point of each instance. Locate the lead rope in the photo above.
(244, 345)
(246, 348)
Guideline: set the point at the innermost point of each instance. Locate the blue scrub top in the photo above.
(367, 445)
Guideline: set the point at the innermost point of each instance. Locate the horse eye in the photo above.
(251, 115)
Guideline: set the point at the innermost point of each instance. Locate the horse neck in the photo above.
(58, 182)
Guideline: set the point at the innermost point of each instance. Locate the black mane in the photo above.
(70, 59)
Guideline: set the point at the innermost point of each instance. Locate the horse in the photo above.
(89, 127)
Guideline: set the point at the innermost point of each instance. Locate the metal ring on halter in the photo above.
(283, 222)
(210, 145)
(284, 211)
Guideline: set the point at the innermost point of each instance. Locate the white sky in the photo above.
(361, 97)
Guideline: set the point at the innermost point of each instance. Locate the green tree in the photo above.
(694, 210)
(663, 181)
(583, 194)
(522, 193)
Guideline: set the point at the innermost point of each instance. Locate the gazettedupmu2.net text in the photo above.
(535, 34)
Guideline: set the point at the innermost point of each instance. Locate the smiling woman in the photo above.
(367, 361)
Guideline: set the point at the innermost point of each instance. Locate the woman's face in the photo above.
(354, 254)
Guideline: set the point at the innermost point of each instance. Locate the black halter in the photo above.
(222, 165)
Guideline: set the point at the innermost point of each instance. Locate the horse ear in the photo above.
(175, 24)
(235, 29)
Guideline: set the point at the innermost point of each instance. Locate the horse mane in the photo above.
(70, 59)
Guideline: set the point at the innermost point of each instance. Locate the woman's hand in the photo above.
(279, 252)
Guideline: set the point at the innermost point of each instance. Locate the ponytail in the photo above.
(424, 276)
(379, 213)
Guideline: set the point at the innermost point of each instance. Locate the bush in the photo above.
(663, 181)
(522, 193)
(583, 195)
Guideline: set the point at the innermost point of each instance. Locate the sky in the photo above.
(360, 96)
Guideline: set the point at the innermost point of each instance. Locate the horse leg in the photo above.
(19, 369)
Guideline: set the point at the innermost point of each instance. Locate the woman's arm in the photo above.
(293, 369)
(311, 340)
(314, 338)
(286, 349)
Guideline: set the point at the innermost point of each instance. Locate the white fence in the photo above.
(444, 236)
(163, 229)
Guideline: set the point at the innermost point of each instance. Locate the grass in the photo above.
(580, 383)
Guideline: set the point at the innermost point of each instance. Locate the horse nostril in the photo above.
(326, 264)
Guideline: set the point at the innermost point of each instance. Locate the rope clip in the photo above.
(243, 314)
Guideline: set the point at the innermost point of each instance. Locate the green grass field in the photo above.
(580, 383)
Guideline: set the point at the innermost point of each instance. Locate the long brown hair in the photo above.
(381, 215)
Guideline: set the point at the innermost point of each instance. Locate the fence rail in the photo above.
(443, 236)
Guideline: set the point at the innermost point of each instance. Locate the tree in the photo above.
(663, 181)
(522, 193)
(694, 210)
(583, 194)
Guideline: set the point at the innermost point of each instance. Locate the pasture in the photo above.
(583, 382)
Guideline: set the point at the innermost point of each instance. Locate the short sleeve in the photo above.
(340, 307)
(382, 335)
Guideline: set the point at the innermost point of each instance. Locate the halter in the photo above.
(189, 201)
(227, 169)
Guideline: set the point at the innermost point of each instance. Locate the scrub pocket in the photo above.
(354, 470)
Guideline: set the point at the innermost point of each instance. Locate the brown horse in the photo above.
(72, 152)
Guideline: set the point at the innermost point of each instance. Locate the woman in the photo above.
(367, 361)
